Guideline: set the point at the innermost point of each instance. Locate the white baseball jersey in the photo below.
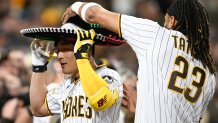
(173, 87)
(47, 119)
(70, 102)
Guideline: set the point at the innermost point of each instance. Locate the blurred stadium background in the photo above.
(15, 62)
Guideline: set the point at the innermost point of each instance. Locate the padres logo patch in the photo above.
(102, 101)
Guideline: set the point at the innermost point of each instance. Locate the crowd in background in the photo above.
(15, 55)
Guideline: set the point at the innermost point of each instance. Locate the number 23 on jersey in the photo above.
(198, 72)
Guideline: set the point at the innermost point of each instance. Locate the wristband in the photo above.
(39, 69)
(84, 9)
(75, 7)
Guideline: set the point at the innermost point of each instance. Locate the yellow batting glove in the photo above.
(84, 37)
(84, 43)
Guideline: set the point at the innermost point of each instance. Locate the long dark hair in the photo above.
(193, 21)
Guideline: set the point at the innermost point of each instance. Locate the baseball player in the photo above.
(91, 95)
(176, 71)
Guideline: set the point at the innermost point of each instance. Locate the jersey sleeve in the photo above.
(53, 100)
(139, 33)
(114, 80)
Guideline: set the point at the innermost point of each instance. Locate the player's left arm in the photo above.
(100, 96)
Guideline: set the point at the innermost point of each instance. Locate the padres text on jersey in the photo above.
(70, 101)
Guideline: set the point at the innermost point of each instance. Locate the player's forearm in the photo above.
(38, 93)
(94, 13)
(105, 18)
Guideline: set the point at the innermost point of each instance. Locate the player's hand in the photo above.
(40, 55)
(130, 97)
(84, 43)
(67, 14)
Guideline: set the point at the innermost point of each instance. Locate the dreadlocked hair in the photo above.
(193, 21)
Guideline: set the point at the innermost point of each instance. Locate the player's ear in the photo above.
(173, 22)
